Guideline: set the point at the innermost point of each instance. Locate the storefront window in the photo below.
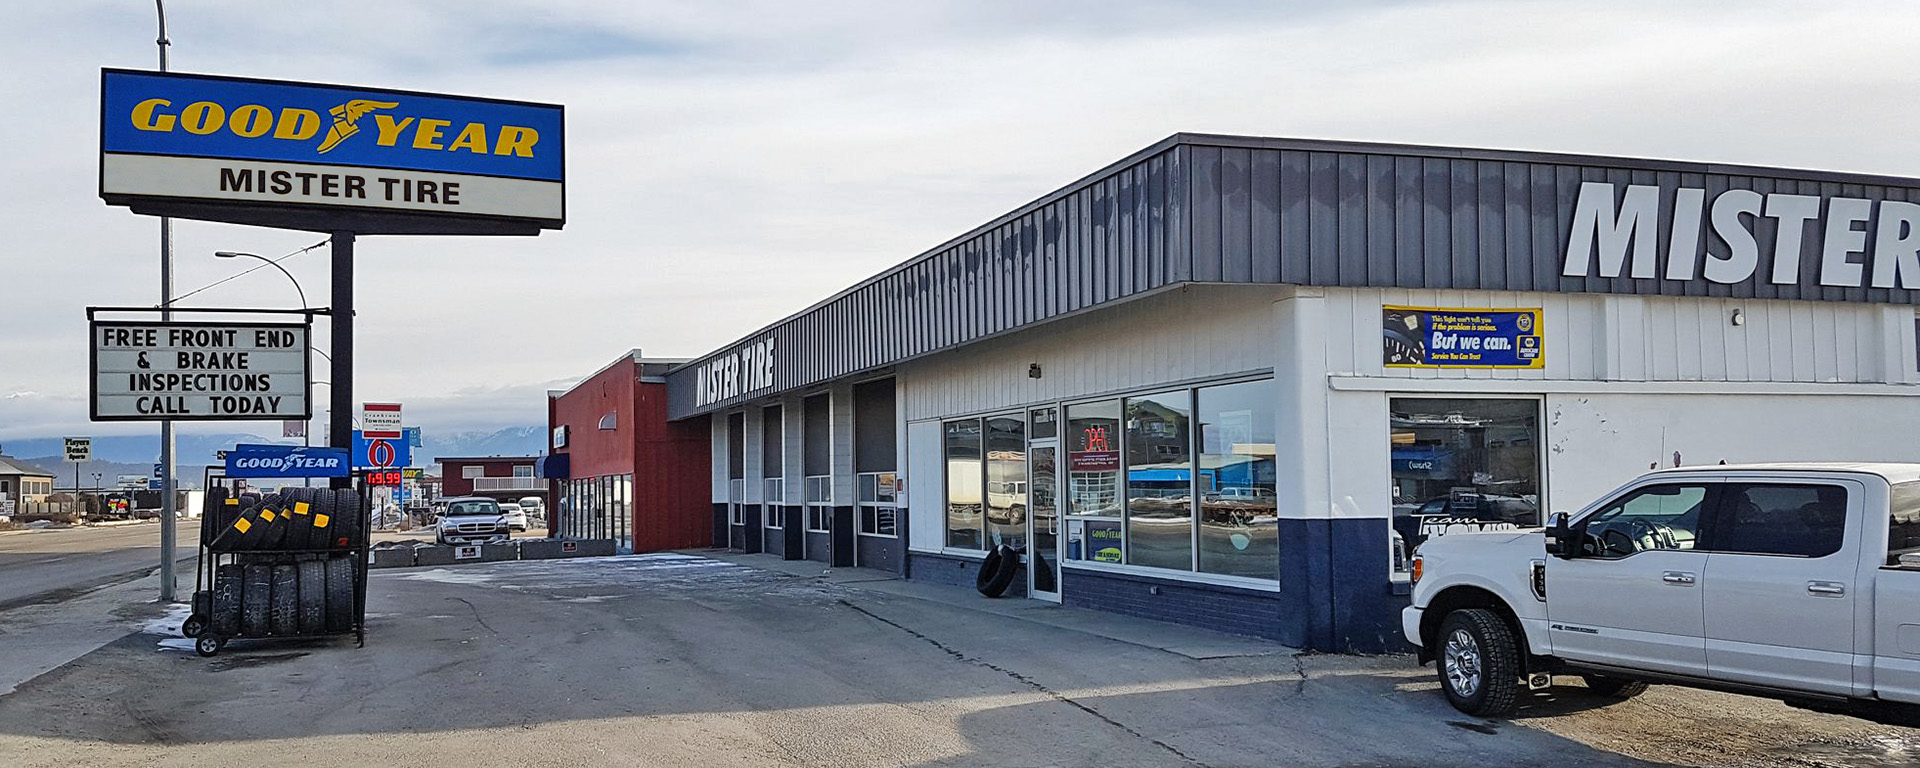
(1462, 464)
(1239, 524)
(1007, 481)
(963, 484)
(1092, 442)
(1160, 480)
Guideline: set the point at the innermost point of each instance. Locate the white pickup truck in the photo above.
(1799, 582)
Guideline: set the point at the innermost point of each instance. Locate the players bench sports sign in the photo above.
(329, 157)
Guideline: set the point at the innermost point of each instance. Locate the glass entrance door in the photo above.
(1043, 522)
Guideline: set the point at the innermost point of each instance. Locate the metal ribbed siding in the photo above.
(1248, 210)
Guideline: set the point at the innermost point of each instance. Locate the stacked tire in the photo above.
(288, 568)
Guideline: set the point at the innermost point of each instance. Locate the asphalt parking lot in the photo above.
(685, 661)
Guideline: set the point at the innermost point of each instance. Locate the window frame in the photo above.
(1709, 514)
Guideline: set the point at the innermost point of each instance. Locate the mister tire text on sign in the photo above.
(232, 144)
(1861, 242)
(743, 371)
(155, 371)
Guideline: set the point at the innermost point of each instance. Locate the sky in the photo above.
(733, 162)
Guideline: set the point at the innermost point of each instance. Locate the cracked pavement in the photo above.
(684, 661)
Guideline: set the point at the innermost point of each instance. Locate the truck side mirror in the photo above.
(1560, 539)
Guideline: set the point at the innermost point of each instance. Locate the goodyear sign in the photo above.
(281, 145)
(1429, 337)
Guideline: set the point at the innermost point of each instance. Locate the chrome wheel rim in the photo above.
(1463, 663)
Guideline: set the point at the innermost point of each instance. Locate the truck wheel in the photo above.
(1479, 662)
(1614, 687)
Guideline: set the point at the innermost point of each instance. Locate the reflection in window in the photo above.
(1655, 517)
(1781, 519)
(1239, 524)
(1006, 481)
(1462, 464)
(1159, 466)
(1092, 445)
(962, 440)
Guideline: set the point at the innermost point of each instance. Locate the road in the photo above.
(44, 565)
(691, 662)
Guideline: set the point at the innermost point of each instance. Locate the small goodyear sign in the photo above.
(234, 142)
(1429, 337)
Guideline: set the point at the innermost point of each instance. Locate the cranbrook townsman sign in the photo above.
(234, 144)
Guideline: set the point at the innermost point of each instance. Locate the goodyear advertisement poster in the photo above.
(1430, 337)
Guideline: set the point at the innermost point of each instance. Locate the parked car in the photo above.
(535, 506)
(1799, 582)
(516, 515)
(472, 520)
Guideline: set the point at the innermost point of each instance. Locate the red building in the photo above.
(618, 469)
(500, 477)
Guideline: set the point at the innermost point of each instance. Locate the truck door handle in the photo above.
(1678, 577)
(1826, 588)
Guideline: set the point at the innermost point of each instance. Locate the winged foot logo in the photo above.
(255, 121)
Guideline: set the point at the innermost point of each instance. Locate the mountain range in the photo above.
(136, 454)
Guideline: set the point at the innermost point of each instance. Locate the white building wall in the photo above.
(1640, 338)
(1179, 335)
(926, 493)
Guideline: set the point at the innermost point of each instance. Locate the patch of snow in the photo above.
(177, 644)
(168, 624)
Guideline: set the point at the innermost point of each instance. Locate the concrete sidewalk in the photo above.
(1191, 642)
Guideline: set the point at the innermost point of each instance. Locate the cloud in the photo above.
(732, 162)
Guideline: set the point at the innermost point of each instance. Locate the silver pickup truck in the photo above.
(1799, 582)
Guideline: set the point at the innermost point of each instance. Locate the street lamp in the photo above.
(271, 263)
(306, 435)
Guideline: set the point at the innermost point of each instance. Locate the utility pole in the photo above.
(167, 527)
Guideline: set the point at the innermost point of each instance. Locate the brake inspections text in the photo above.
(183, 370)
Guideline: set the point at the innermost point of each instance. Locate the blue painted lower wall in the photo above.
(1335, 593)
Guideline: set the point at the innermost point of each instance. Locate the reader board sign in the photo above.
(185, 371)
(1428, 337)
(239, 141)
(248, 460)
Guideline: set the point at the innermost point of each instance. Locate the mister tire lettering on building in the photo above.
(1860, 242)
(152, 371)
(743, 371)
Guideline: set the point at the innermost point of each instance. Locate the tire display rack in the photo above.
(280, 566)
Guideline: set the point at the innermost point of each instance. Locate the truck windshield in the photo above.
(1903, 532)
(466, 508)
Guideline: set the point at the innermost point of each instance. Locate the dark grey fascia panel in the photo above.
(1197, 208)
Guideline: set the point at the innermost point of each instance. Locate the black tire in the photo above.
(347, 506)
(284, 617)
(1043, 578)
(256, 599)
(193, 626)
(225, 614)
(207, 645)
(988, 567)
(1614, 687)
(1000, 576)
(340, 593)
(313, 597)
(1475, 646)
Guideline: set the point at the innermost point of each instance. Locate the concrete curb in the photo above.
(419, 555)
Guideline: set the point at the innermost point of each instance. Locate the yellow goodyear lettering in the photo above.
(145, 119)
(253, 121)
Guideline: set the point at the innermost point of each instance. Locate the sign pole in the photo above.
(340, 413)
(167, 532)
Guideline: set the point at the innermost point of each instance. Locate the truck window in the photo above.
(1903, 533)
(1781, 519)
(1655, 517)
